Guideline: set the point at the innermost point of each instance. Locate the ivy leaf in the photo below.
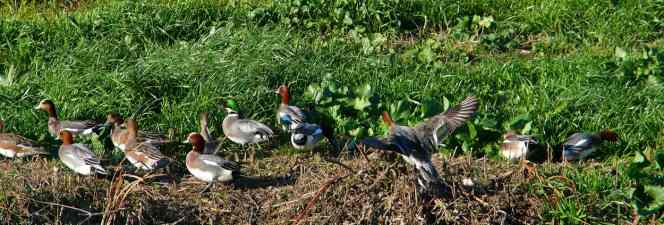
(365, 91)
(620, 53)
(487, 22)
(426, 55)
(347, 19)
(431, 107)
(361, 103)
(659, 159)
(471, 130)
(634, 170)
(648, 199)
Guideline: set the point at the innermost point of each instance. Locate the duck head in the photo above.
(231, 107)
(66, 137)
(608, 135)
(283, 92)
(48, 106)
(387, 119)
(510, 134)
(196, 141)
(113, 118)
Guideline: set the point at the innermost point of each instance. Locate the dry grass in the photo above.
(276, 192)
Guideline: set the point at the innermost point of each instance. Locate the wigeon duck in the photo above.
(207, 167)
(306, 135)
(142, 155)
(75, 127)
(524, 147)
(120, 135)
(244, 131)
(211, 143)
(78, 157)
(14, 145)
(515, 146)
(581, 145)
(416, 144)
(288, 116)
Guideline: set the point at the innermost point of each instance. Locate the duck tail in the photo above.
(608, 135)
(429, 183)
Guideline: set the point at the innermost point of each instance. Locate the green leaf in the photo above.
(348, 20)
(659, 159)
(486, 22)
(634, 170)
(365, 91)
(526, 129)
(519, 121)
(620, 53)
(426, 55)
(431, 107)
(656, 193)
(314, 92)
(361, 103)
(472, 131)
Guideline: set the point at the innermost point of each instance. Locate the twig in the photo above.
(83, 212)
(335, 161)
(313, 201)
(304, 196)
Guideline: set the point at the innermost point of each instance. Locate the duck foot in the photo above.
(207, 188)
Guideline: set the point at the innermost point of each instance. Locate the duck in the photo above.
(288, 116)
(74, 127)
(580, 145)
(306, 136)
(244, 131)
(515, 146)
(120, 135)
(211, 143)
(416, 144)
(208, 167)
(14, 145)
(142, 155)
(78, 157)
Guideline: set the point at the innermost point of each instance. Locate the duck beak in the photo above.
(38, 107)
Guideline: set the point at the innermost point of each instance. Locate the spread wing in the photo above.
(452, 119)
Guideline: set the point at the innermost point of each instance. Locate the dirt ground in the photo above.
(300, 189)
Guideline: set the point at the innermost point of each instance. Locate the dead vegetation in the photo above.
(300, 189)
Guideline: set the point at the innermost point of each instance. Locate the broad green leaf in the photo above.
(486, 22)
(361, 103)
(365, 91)
(519, 121)
(634, 170)
(471, 130)
(431, 107)
(426, 55)
(620, 53)
(659, 159)
(526, 129)
(657, 195)
(347, 19)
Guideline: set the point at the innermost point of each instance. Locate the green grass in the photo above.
(163, 62)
